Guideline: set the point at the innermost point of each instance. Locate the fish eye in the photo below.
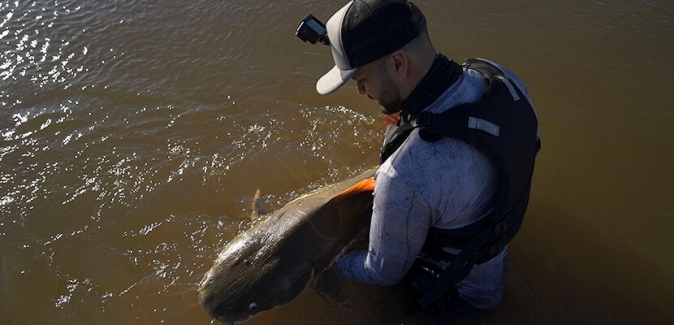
(252, 307)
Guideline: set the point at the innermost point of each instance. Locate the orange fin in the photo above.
(366, 185)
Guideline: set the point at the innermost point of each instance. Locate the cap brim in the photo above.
(334, 79)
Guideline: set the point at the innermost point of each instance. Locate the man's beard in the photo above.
(389, 97)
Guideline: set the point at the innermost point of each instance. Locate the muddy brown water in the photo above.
(133, 135)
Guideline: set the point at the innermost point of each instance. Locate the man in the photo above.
(431, 186)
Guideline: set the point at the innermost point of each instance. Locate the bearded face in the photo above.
(374, 80)
(389, 95)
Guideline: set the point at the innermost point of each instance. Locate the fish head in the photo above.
(247, 279)
(272, 263)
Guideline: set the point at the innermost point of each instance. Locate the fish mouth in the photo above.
(222, 307)
(215, 311)
(232, 322)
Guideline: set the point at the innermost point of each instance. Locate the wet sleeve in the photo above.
(398, 230)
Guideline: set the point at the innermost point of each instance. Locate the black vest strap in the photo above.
(394, 138)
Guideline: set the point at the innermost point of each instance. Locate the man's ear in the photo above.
(399, 63)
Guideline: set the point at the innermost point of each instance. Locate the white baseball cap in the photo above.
(364, 31)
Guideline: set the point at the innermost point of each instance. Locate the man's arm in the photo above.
(398, 230)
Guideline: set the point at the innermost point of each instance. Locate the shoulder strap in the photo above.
(394, 138)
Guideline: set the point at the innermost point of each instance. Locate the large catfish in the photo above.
(273, 262)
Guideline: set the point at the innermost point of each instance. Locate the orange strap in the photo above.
(390, 119)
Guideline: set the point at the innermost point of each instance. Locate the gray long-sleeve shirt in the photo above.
(445, 184)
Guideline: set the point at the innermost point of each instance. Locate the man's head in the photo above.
(365, 31)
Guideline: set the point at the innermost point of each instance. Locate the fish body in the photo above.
(271, 263)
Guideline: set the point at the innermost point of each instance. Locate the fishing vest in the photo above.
(503, 126)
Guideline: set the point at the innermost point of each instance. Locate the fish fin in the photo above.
(256, 208)
(366, 185)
